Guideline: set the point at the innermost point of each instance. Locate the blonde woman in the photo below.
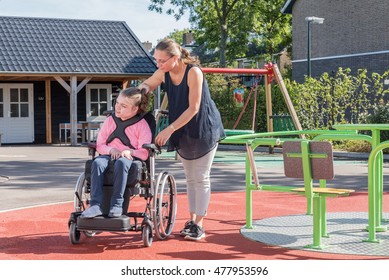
(195, 126)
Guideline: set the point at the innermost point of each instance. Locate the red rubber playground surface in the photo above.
(41, 232)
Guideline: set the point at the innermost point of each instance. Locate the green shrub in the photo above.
(380, 114)
(341, 98)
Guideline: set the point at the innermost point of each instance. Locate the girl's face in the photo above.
(165, 62)
(124, 108)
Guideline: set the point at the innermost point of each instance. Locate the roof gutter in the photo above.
(72, 74)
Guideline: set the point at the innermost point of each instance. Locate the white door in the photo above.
(16, 113)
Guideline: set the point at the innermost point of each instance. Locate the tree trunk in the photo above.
(223, 45)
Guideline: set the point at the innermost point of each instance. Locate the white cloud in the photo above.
(147, 25)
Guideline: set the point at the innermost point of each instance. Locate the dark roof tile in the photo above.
(63, 45)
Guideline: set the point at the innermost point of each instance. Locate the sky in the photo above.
(147, 25)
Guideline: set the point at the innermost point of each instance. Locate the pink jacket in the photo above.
(138, 133)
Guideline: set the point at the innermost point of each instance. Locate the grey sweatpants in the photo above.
(197, 173)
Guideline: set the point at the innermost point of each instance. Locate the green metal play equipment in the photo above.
(375, 175)
(312, 160)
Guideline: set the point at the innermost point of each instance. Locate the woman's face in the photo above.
(165, 61)
(124, 108)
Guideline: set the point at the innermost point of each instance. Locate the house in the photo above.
(354, 35)
(63, 71)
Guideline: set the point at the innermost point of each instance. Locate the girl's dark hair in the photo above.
(172, 48)
(140, 97)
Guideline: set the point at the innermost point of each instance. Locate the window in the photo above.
(19, 102)
(99, 100)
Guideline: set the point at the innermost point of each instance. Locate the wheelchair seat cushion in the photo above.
(134, 174)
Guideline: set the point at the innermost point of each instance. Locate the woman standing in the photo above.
(195, 126)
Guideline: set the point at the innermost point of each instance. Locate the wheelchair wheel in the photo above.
(90, 233)
(74, 234)
(164, 205)
(81, 194)
(147, 235)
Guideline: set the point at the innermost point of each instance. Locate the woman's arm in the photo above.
(154, 81)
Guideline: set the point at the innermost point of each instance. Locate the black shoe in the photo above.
(195, 233)
(186, 228)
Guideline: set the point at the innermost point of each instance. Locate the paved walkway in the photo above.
(41, 174)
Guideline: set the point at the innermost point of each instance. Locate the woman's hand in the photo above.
(164, 135)
(144, 88)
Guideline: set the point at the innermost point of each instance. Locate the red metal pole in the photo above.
(237, 71)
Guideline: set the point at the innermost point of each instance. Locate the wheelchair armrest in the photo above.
(92, 149)
(152, 148)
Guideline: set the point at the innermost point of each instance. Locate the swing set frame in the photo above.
(270, 72)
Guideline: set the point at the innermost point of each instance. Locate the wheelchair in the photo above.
(159, 193)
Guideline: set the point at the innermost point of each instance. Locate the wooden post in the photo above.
(288, 102)
(269, 110)
(48, 111)
(73, 110)
(125, 84)
(73, 90)
(164, 102)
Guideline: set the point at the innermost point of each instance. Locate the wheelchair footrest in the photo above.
(102, 223)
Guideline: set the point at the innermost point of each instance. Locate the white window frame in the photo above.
(89, 87)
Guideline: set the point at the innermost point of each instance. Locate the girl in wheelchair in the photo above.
(121, 142)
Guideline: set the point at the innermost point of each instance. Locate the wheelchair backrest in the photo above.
(150, 119)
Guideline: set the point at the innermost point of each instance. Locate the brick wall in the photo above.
(350, 27)
(373, 63)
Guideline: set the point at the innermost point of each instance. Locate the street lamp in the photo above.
(309, 20)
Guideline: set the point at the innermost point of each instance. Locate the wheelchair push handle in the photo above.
(153, 148)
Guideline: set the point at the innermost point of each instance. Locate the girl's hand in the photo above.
(115, 153)
(127, 154)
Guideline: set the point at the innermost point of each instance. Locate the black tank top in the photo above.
(201, 134)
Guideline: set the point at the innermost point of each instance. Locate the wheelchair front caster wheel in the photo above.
(74, 234)
(147, 235)
(91, 233)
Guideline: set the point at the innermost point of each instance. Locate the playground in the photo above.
(301, 202)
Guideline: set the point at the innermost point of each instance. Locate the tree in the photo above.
(228, 26)
(273, 27)
(203, 14)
